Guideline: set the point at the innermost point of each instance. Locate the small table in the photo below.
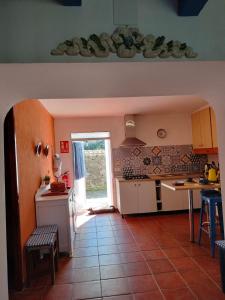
(190, 186)
(48, 229)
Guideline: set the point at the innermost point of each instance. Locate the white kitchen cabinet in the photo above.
(177, 200)
(172, 200)
(147, 196)
(59, 210)
(136, 196)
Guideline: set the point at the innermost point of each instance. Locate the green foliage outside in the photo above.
(94, 145)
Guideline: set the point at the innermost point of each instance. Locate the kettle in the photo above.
(212, 172)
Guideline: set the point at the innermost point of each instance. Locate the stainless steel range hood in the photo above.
(130, 133)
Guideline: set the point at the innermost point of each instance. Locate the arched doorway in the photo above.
(46, 82)
(14, 254)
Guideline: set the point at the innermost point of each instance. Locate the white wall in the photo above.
(49, 81)
(65, 126)
(146, 129)
(177, 125)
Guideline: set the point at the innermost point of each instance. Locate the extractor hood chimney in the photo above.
(130, 133)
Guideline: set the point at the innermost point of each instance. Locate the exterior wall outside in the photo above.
(96, 169)
(33, 124)
(49, 81)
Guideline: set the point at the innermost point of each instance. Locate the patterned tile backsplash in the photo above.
(157, 160)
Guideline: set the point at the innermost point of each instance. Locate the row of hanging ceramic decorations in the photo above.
(126, 42)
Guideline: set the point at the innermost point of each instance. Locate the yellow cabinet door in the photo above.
(205, 124)
(201, 129)
(196, 131)
(214, 129)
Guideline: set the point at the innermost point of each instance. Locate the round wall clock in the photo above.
(161, 133)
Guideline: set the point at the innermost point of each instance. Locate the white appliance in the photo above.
(59, 210)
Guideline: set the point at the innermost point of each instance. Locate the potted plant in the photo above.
(46, 179)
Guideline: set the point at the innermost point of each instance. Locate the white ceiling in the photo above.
(99, 107)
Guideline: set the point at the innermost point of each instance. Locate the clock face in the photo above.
(161, 133)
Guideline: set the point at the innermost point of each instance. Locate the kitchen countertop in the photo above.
(40, 195)
(192, 186)
(163, 177)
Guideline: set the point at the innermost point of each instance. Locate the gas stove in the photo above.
(140, 176)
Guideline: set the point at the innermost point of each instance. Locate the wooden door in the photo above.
(206, 128)
(14, 253)
(196, 131)
(147, 197)
(128, 197)
(214, 128)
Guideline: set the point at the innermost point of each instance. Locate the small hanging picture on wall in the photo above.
(46, 150)
(38, 148)
(64, 146)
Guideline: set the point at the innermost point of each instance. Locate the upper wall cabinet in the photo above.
(214, 129)
(204, 133)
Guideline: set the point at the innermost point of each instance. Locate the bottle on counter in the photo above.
(206, 170)
(212, 172)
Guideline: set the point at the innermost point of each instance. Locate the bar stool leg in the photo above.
(201, 221)
(220, 213)
(212, 216)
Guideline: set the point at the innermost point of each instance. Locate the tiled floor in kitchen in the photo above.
(146, 257)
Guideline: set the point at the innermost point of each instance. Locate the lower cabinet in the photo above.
(177, 200)
(136, 197)
(140, 197)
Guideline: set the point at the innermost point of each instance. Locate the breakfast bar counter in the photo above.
(190, 186)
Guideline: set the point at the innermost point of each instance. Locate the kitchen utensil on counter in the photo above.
(179, 183)
(190, 179)
(203, 180)
(211, 172)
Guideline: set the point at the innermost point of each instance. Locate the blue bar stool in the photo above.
(212, 199)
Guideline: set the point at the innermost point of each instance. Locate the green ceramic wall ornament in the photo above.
(126, 42)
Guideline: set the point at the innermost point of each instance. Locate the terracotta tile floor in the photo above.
(139, 257)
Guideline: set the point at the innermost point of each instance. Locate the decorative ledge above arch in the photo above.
(125, 42)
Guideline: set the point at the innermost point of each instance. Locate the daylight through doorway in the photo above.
(94, 187)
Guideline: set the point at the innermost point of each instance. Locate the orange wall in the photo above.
(33, 124)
